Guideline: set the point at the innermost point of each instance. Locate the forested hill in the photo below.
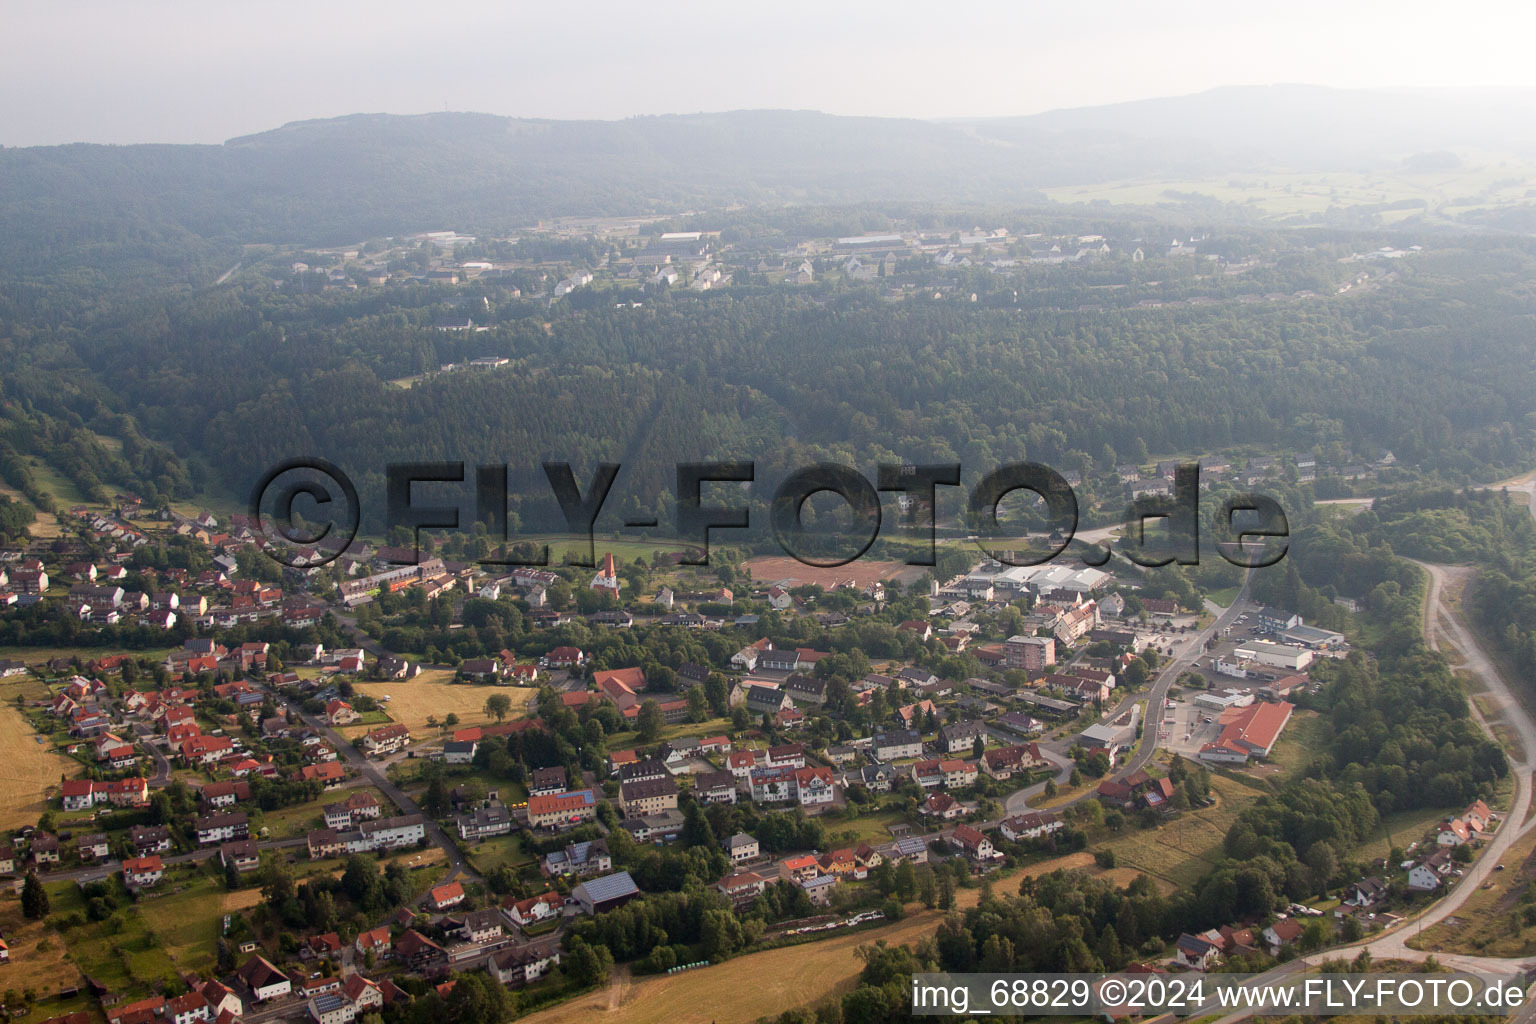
(349, 178)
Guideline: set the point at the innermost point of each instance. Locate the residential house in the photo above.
(265, 981)
(522, 965)
(889, 746)
(961, 737)
(143, 872)
(1281, 934)
(649, 796)
(562, 810)
(1195, 952)
(534, 910)
(976, 846)
(741, 848)
(444, 897)
(581, 859)
(1031, 825)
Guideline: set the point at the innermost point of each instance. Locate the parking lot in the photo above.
(1185, 728)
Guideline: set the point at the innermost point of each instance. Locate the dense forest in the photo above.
(176, 392)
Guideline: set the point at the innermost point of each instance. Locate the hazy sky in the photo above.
(109, 71)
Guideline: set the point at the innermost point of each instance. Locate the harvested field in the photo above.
(762, 984)
(862, 572)
(30, 770)
(433, 694)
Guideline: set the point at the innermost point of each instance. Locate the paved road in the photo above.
(1193, 647)
(457, 866)
(1445, 632)
(1190, 649)
(145, 735)
(92, 872)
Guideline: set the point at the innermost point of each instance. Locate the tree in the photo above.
(277, 884)
(1324, 864)
(1315, 934)
(906, 881)
(649, 722)
(498, 705)
(698, 704)
(231, 875)
(588, 965)
(717, 693)
(435, 802)
(450, 720)
(34, 898)
(696, 830)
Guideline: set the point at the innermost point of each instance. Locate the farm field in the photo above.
(762, 984)
(29, 772)
(1284, 195)
(433, 694)
(863, 572)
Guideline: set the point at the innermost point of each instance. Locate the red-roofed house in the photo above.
(339, 712)
(445, 896)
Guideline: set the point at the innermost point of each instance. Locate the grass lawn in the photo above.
(39, 958)
(762, 984)
(37, 656)
(188, 922)
(1224, 597)
(1303, 740)
(706, 728)
(433, 694)
(63, 489)
(31, 769)
(1400, 829)
(122, 952)
(870, 827)
(301, 818)
(624, 550)
(44, 525)
(1183, 850)
(501, 851)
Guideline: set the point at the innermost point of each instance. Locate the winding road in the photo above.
(458, 866)
(1446, 633)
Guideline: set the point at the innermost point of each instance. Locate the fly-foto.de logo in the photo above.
(307, 512)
